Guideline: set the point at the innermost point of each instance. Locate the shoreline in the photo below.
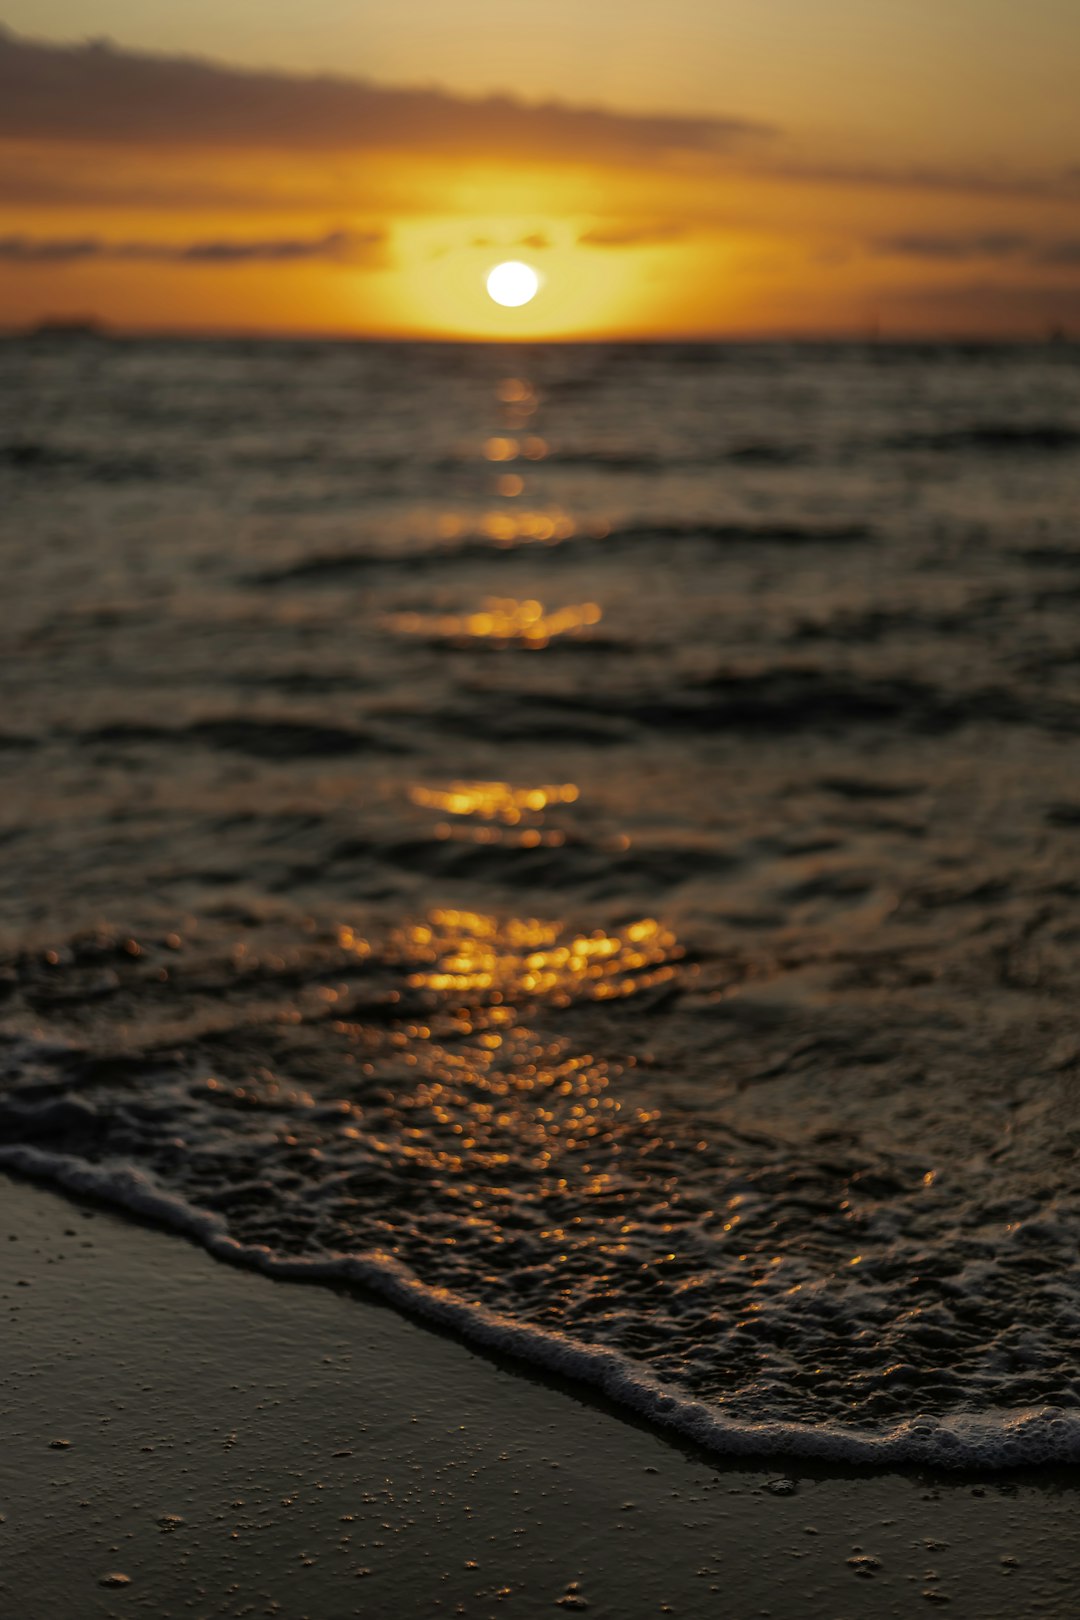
(964, 1444)
(236, 1445)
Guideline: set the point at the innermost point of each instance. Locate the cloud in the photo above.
(922, 177)
(54, 175)
(957, 247)
(933, 245)
(351, 248)
(98, 92)
(620, 236)
(1010, 305)
(1064, 252)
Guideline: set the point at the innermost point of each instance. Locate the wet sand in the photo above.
(233, 1445)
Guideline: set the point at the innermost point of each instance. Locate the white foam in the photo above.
(987, 1439)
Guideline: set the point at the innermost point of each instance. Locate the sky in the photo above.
(696, 168)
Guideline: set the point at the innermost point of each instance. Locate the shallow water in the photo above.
(586, 839)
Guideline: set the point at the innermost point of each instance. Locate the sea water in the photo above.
(584, 840)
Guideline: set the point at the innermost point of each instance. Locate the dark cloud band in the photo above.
(343, 247)
(621, 236)
(944, 247)
(98, 92)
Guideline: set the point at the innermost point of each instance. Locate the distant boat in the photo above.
(68, 327)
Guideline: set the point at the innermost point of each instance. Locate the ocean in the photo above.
(583, 840)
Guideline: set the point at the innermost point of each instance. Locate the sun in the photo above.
(513, 283)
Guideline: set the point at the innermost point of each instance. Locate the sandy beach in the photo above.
(231, 1445)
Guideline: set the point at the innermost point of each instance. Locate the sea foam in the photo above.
(989, 1438)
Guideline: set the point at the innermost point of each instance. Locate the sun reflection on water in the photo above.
(506, 815)
(503, 447)
(518, 812)
(508, 451)
(454, 1019)
(507, 527)
(501, 620)
(469, 952)
(463, 1048)
(493, 801)
(517, 392)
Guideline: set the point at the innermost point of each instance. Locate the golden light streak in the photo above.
(493, 801)
(501, 621)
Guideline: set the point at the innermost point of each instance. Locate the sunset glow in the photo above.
(180, 182)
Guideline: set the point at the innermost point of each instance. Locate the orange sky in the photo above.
(172, 189)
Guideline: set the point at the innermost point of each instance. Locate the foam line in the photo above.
(996, 1439)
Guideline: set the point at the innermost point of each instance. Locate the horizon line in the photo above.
(90, 328)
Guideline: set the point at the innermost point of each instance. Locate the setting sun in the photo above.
(513, 283)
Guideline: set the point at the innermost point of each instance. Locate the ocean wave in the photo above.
(45, 458)
(993, 438)
(331, 568)
(765, 1121)
(270, 737)
(802, 698)
(639, 458)
(502, 1123)
(1010, 1438)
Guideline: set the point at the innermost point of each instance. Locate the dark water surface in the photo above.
(586, 839)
